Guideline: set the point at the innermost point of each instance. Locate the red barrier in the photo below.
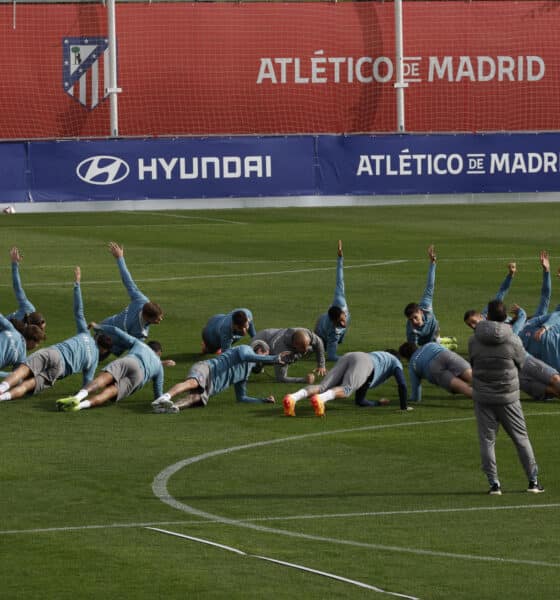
(190, 68)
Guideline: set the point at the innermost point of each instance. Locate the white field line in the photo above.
(208, 276)
(159, 487)
(361, 515)
(283, 563)
(190, 218)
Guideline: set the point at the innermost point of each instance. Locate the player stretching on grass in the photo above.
(210, 377)
(439, 366)
(422, 326)
(43, 368)
(354, 372)
(122, 377)
(299, 342)
(137, 317)
(16, 339)
(26, 310)
(222, 331)
(331, 326)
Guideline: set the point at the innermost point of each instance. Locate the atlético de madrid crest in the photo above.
(85, 69)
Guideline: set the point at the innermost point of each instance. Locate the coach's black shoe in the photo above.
(495, 490)
(535, 488)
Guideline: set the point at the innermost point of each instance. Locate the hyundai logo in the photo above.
(102, 170)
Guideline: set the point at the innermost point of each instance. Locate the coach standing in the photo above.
(496, 355)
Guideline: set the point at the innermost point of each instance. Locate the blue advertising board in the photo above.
(13, 173)
(278, 166)
(439, 164)
(172, 168)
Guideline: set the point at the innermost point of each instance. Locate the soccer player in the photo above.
(422, 326)
(210, 377)
(16, 339)
(43, 368)
(496, 355)
(137, 317)
(299, 342)
(26, 310)
(222, 331)
(472, 316)
(121, 377)
(439, 366)
(331, 326)
(354, 372)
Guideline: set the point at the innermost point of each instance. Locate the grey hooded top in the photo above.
(496, 355)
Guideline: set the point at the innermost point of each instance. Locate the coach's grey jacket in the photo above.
(496, 355)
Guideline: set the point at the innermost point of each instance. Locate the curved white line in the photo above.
(159, 487)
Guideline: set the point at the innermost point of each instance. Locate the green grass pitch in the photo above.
(384, 501)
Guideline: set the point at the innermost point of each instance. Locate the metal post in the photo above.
(113, 90)
(400, 83)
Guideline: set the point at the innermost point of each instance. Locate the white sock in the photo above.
(84, 404)
(326, 396)
(165, 396)
(5, 396)
(82, 394)
(4, 387)
(299, 395)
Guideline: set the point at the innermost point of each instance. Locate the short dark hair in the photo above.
(334, 313)
(469, 313)
(497, 311)
(151, 310)
(239, 318)
(155, 346)
(103, 341)
(411, 308)
(407, 349)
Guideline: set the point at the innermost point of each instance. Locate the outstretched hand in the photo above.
(116, 250)
(339, 250)
(432, 253)
(269, 400)
(512, 268)
(545, 261)
(15, 255)
(77, 274)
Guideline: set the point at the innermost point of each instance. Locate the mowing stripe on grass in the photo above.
(283, 563)
(159, 487)
(383, 513)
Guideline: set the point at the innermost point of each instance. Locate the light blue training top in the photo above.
(218, 332)
(419, 367)
(429, 330)
(233, 367)
(385, 365)
(128, 320)
(13, 349)
(149, 361)
(329, 332)
(79, 353)
(24, 305)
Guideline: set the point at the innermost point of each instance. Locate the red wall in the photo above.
(192, 68)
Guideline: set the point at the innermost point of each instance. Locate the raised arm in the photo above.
(546, 288)
(339, 292)
(134, 292)
(24, 305)
(427, 297)
(81, 323)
